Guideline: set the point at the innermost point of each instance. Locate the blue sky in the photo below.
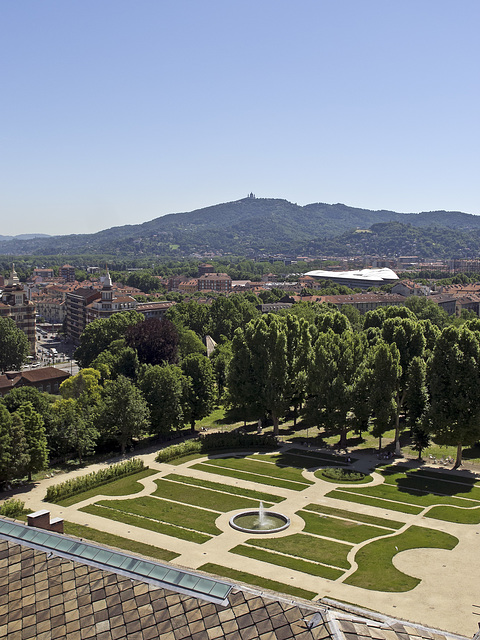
(116, 112)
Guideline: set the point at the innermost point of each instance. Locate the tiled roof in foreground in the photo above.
(44, 596)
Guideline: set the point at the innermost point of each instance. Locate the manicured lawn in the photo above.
(412, 495)
(373, 502)
(454, 514)
(146, 523)
(256, 471)
(88, 533)
(311, 568)
(340, 529)
(263, 583)
(121, 487)
(319, 456)
(250, 477)
(352, 515)
(417, 483)
(199, 497)
(178, 514)
(232, 490)
(262, 465)
(190, 456)
(375, 568)
(307, 547)
(297, 461)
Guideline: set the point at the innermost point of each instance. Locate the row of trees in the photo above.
(397, 371)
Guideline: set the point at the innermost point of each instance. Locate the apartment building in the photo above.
(14, 304)
(220, 282)
(76, 303)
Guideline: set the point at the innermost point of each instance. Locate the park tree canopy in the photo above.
(13, 346)
(99, 334)
(453, 376)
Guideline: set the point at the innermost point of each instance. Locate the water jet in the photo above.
(259, 521)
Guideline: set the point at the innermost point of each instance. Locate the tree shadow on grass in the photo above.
(422, 481)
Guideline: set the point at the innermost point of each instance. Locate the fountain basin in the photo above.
(257, 521)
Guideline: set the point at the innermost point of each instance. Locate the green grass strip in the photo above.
(455, 514)
(443, 489)
(226, 488)
(449, 476)
(186, 458)
(296, 461)
(320, 455)
(178, 514)
(360, 517)
(289, 563)
(375, 569)
(263, 583)
(250, 477)
(261, 468)
(412, 495)
(148, 550)
(199, 497)
(340, 529)
(145, 523)
(308, 548)
(121, 487)
(373, 502)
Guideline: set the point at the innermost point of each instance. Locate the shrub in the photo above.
(343, 475)
(58, 492)
(215, 442)
(12, 508)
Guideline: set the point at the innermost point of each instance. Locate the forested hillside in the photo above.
(252, 226)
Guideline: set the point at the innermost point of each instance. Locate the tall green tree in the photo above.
(13, 346)
(220, 360)
(259, 357)
(35, 437)
(229, 313)
(378, 381)
(124, 413)
(332, 378)
(199, 391)
(99, 334)
(117, 360)
(18, 447)
(408, 337)
(6, 460)
(164, 389)
(73, 428)
(298, 347)
(453, 375)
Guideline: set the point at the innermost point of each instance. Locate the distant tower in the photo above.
(251, 195)
(107, 292)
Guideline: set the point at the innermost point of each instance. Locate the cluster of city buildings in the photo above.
(61, 300)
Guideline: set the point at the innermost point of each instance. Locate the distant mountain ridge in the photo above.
(252, 226)
(24, 236)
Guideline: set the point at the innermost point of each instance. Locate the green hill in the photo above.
(268, 225)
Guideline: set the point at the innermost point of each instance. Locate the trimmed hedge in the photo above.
(230, 440)
(343, 475)
(69, 488)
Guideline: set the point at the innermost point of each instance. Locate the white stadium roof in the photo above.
(362, 275)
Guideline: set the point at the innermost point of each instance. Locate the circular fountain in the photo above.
(260, 521)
